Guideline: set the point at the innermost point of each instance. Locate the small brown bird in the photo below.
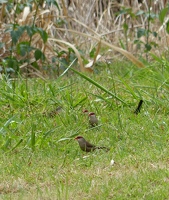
(86, 146)
(56, 111)
(93, 121)
(85, 111)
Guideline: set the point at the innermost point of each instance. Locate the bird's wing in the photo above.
(89, 144)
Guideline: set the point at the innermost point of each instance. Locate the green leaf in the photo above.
(19, 8)
(153, 44)
(54, 2)
(123, 11)
(122, 44)
(35, 65)
(125, 26)
(140, 12)
(163, 14)
(155, 34)
(138, 42)
(31, 30)
(16, 34)
(12, 63)
(92, 52)
(23, 48)
(148, 47)
(141, 32)
(167, 26)
(43, 34)
(39, 55)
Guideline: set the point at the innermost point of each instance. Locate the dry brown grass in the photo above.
(86, 24)
(104, 20)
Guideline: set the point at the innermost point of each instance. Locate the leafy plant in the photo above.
(145, 32)
(24, 45)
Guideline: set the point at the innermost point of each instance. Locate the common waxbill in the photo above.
(54, 112)
(93, 121)
(85, 111)
(86, 146)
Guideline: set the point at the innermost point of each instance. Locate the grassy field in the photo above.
(41, 160)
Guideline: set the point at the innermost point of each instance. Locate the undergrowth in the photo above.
(41, 160)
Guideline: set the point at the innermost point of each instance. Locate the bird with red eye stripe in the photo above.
(85, 111)
(93, 121)
(87, 146)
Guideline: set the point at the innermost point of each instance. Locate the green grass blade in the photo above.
(20, 141)
(98, 85)
(2, 130)
(33, 138)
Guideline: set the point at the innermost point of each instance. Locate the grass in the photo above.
(39, 158)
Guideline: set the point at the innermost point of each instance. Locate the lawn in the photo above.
(40, 158)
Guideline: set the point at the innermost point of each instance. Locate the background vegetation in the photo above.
(104, 56)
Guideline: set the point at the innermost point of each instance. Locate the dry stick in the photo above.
(74, 48)
(120, 29)
(124, 52)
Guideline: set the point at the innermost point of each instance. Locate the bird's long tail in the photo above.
(105, 148)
